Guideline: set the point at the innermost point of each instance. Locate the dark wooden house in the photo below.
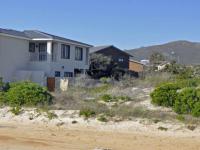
(120, 59)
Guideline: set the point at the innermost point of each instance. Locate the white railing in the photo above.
(41, 56)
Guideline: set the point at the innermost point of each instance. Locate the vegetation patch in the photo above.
(27, 94)
(165, 94)
(87, 113)
(16, 110)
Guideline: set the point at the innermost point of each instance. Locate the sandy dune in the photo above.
(21, 137)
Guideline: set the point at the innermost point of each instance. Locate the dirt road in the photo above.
(19, 137)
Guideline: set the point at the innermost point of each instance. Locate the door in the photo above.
(51, 84)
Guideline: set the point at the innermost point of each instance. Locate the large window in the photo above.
(65, 51)
(79, 53)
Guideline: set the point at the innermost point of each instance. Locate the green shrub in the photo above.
(188, 102)
(27, 94)
(180, 118)
(183, 83)
(162, 128)
(102, 118)
(104, 80)
(87, 113)
(110, 98)
(196, 110)
(51, 115)
(106, 98)
(165, 94)
(16, 110)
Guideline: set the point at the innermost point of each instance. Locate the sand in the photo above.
(37, 137)
(30, 131)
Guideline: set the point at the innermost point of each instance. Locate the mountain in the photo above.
(184, 52)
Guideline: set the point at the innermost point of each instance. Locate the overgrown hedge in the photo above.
(183, 96)
(25, 94)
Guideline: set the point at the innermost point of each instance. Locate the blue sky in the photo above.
(124, 23)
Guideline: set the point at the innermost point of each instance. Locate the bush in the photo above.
(27, 94)
(110, 98)
(87, 113)
(188, 102)
(165, 94)
(105, 80)
(16, 110)
(106, 98)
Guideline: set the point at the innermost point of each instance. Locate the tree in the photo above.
(156, 58)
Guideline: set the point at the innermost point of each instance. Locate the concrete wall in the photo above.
(14, 55)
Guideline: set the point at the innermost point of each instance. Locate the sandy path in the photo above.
(20, 137)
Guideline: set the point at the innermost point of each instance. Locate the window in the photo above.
(32, 47)
(79, 53)
(65, 51)
(121, 60)
(68, 74)
(57, 74)
(42, 51)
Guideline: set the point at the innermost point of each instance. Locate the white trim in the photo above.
(13, 36)
(61, 41)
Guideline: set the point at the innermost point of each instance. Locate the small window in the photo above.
(57, 74)
(79, 53)
(68, 74)
(121, 60)
(32, 47)
(65, 51)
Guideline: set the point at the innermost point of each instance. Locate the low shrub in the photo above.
(87, 113)
(106, 98)
(162, 128)
(102, 118)
(51, 115)
(188, 102)
(110, 98)
(180, 118)
(105, 80)
(165, 94)
(27, 94)
(16, 110)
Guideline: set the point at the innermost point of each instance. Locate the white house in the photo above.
(36, 55)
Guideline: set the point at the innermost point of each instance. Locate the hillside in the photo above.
(183, 52)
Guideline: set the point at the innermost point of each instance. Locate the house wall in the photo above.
(67, 65)
(136, 67)
(116, 54)
(14, 55)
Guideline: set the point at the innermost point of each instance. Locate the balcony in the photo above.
(40, 56)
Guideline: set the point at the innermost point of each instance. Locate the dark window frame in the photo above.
(65, 51)
(68, 74)
(57, 74)
(78, 56)
(32, 47)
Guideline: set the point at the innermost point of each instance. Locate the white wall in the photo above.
(69, 64)
(14, 55)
